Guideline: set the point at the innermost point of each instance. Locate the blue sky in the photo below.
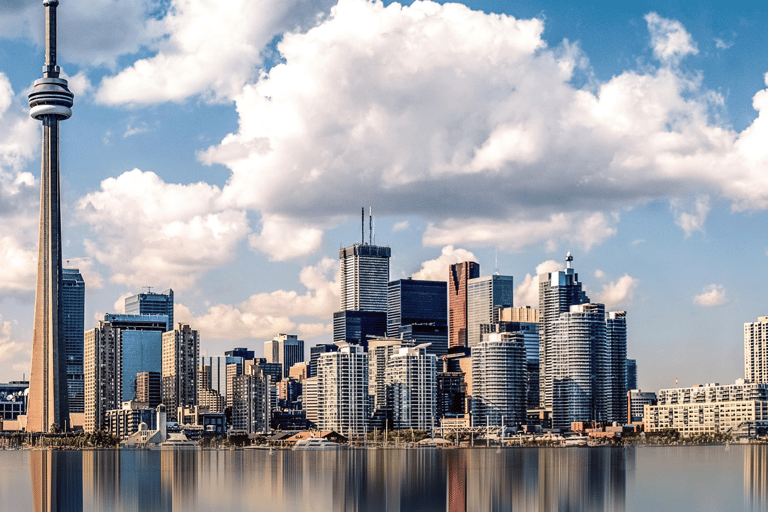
(225, 149)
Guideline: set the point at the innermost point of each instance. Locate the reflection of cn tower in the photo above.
(457, 482)
(57, 480)
(755, 476)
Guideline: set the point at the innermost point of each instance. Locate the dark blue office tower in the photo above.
(418, 310)
(73, 321)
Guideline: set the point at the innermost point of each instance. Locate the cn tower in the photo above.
(50, 102)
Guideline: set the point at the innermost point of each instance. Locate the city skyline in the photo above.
(157, 193)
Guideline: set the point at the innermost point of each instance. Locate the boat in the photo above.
(316, 443)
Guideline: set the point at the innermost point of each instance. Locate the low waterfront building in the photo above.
(710, 409)
(125, 421)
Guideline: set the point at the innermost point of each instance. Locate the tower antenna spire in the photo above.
(362, 225)
(370, 225)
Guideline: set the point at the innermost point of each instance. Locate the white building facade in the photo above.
(342, 391)
(411, 385)
(498, 379)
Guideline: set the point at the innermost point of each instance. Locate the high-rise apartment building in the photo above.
(342, 391)
(498, 379)
(180, 355)
(115, 353)
(251, 402)
(151, 303)
(103, 374)
(586, 370)
(616, 365)
(412, 388)
(526, 321)
(418, 310)
(73, 320)
(285, 349)
(379, 352)
(364, 277)
(314, 355)
(459, 275)
(756, 350)
(486, 296)
(558, 291)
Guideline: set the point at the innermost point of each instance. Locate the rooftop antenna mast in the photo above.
(568, 260)
(149, 288)
(362, 225)
(496, 260)
(370, 225)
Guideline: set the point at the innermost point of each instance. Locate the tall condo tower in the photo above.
(558, 291)
(459, 275)
(50, 102)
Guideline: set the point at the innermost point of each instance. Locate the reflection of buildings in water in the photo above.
(125, 480)
(57, 480)
(755, 477)
(582, 479)
(501, 479)
(178, 478)
(457, 481)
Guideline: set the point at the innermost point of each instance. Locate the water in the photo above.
(542, 479)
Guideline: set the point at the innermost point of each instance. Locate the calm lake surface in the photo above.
(645, 479)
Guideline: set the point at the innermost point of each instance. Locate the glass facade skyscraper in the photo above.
(418, 310)
(73, 320)
(485, 297)
(357, 327)
(364, 277)
(459, 275)
(151, 303)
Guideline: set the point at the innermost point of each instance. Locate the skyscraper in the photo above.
(73, 318)
(285, 349)
(418, 310)
(498, 379)
(314, 355)
(50, 102)
(558, 291)
(410, 380)
(151, 303)
(364, 277)
(616, 365)
(756, 350)
(485, 297)
(342, 391)
(357, 327)
(459, 275)
(379, 352)
(180, 355)
(631, 374)
(576, 374)
(120, 348)
(587, 366)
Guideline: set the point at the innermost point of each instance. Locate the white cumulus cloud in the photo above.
(264, 315)
(149, 231)
(527, 292)
(437, 269)
(208, 48)
(618, 293)
(711, 295)
(691, 221)
(669, 39)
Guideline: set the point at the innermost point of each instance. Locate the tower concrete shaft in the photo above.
(50, 102)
